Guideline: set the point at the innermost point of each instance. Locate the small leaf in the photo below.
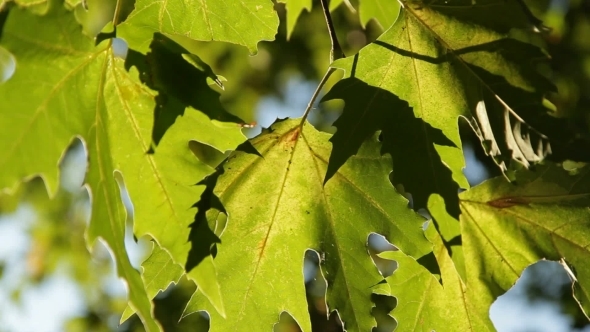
(385, 12)
(158, 272)
(294, 9)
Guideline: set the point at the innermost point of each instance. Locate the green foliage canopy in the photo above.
(141, 110)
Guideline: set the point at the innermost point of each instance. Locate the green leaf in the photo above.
(506, 228)
(7, 65)
(38, 7)
(278, 207)
(335, 3)
(423, 304)
(450, 232)
(385, 12)
(46, 115)
(294, 9)
(411, 142)
(445, 59)
(87, 92)
(233, 21)
(159, 272)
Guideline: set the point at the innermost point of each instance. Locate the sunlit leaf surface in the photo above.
(239, 22)
(278, 207)
(507, 228)
(77, 89)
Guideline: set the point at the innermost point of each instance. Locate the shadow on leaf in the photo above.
(204, 231)
(180, 84)
(409, 140)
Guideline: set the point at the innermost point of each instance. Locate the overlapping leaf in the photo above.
(444, 58)
(239, 22)
(505, 228)
(278, 207)
(423, 303)
(54, 59)
(411, 142)
(158, 272)
(65, 86)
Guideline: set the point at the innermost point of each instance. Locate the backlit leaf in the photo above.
(278, 207)
(83, 90)
(383, 11)
(294, 9)
(444, 58)
(239, 22)
(506, 228)
(46, 116)
(423, 304)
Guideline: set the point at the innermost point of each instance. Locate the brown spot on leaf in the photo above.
(291, 137)
(507, 202)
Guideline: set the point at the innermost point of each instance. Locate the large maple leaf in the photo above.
(447, 60)
(65, 86)
(278, 207)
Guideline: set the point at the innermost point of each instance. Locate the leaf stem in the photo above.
(316, 93)
(336, 51)
(117, 13)
(335, 54)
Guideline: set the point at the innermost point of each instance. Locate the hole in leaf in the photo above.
(136, 248)
(120, 48)
(286, 323)
(541, 300)
(377, 243)
(73, 166)
(383, 306)
(97, 15)
(7, 65)
(125, 198)
(315, 286)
